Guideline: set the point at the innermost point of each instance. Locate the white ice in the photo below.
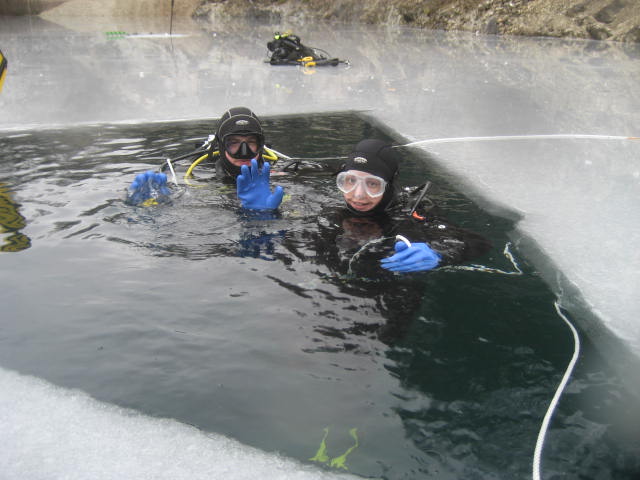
(52, 433)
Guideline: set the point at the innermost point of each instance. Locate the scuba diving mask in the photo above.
(242, 147)
(373, 185)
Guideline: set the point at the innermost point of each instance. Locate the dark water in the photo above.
(236, 324)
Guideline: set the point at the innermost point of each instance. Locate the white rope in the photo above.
(482, 268)
(432, 141)
(518, 137)
(554, 401)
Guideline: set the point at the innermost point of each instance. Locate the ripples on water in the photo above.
(229, 322)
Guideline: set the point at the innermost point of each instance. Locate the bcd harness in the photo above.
(287, 49)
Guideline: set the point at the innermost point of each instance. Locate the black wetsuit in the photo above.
(316, 228)
(348, 249)
(344, 234)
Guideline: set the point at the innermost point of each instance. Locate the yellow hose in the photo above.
(198, 161)
(270, 155)
(267, 155)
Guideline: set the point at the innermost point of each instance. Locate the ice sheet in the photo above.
(48, 432)
(578, 201)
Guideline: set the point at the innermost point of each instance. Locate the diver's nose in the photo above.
(359, 191)
(244, 149)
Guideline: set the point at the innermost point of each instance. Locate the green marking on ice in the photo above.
(115, 34)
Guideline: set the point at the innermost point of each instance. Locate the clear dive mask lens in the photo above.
(374, 186)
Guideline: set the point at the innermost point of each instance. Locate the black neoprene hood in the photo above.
(375, 157)
(240, 121)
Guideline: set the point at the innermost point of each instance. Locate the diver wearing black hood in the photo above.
(237, 151)
(239, 138)
(376, 209)
(376, 158)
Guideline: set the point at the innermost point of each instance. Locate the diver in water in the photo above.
(236, 151)
(238, 139)
(373, 283)
(377, 245)
(376, 209)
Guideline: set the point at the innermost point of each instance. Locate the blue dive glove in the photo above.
(147, 188)
(414, 258)
(253, 188)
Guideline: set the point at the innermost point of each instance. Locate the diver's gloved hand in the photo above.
(253, 188)
(146, 187)
(418, 257)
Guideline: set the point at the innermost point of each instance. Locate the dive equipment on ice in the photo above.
(287, 49)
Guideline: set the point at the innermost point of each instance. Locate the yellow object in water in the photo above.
(149, 202)
(11, 222)
(3, 69)
(337, 462)
(321, 454)
(341, 461)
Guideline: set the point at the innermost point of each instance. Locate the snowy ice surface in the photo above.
(49, 432)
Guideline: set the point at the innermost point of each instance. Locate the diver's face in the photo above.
(358, 198)
(233, 144)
